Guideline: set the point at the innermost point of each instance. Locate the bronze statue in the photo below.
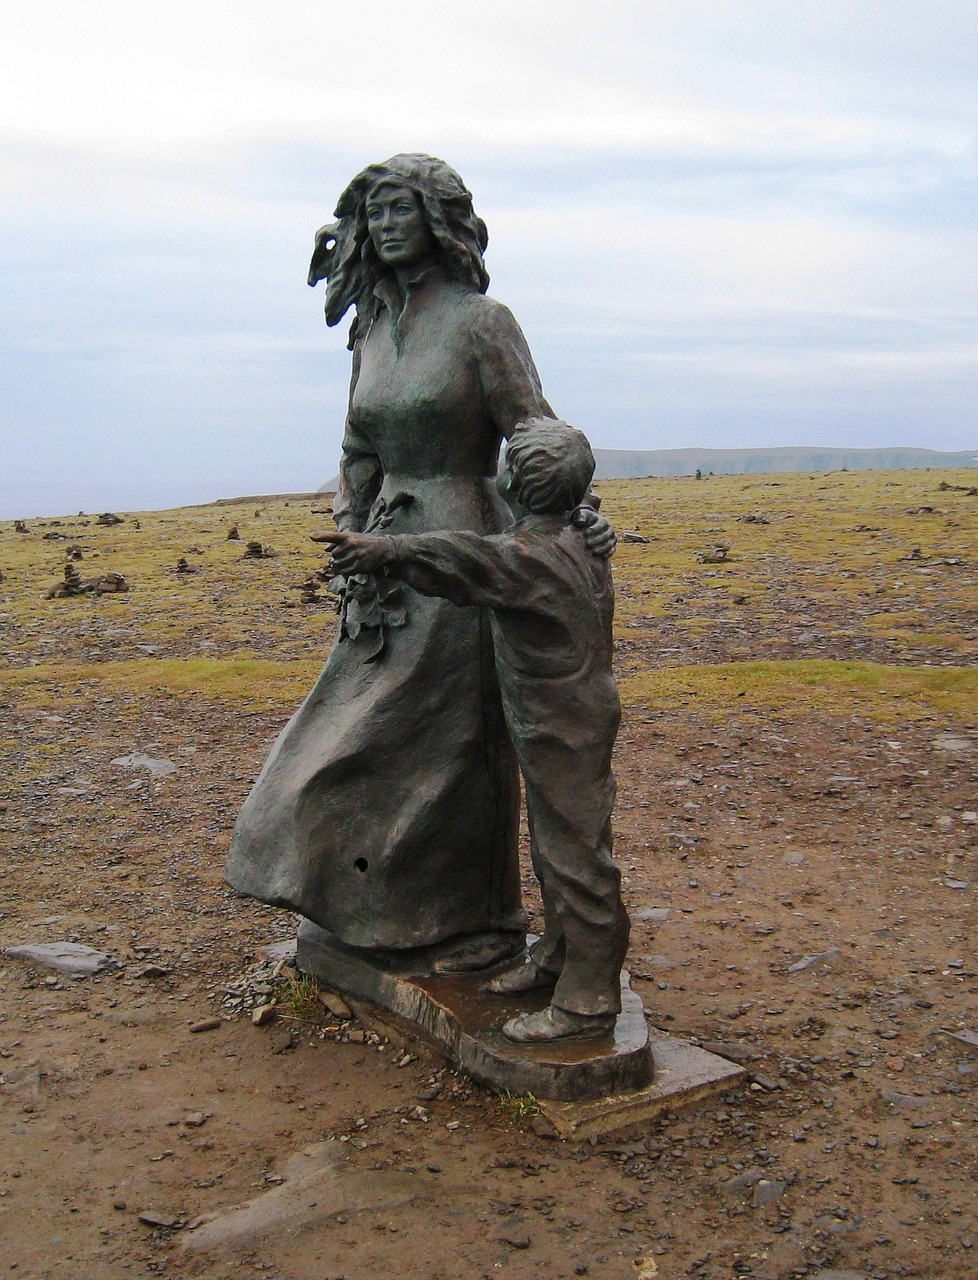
(387, 810)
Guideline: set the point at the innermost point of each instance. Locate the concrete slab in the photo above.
(683, 1075)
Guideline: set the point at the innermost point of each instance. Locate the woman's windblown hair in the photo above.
(552, 465)
(345, 257)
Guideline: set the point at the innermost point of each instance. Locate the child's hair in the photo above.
(552, 465)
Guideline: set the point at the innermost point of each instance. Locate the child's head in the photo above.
(548, 468)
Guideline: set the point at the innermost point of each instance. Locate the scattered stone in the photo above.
(839, 1275)
(233, 535)
(902, 1099)
(205, 1024)
(73, 958)
(816, 961)
(184, 566)
(109, 518)
(120, 1205)
(742, 1186)
(157, 766)
(265, 1013)
(953, 742)
(336, 1005)
(719, 555)
(630, 536)
(195, 1119)
(658, 914)
(316, 1189)
(280, 950)
(738, 1053)
(969, 816)
(257, 551)
(153, 971)
(20, 527)
(765, 1082)
(969, 1039)
(154, 1218)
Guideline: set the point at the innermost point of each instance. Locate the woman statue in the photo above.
(387, 811)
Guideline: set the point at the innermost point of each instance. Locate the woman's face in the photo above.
(398, 229)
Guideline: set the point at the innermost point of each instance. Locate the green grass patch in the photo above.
(883, 692)
(260, 681)
(518, 1107)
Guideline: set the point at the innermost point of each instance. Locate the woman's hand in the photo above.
(599, 532)
(356, 552)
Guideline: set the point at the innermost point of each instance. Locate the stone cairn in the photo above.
(75, 585)
(257, 551)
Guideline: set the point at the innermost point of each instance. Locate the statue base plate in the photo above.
(460, 1021)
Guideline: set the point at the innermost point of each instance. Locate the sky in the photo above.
(720, 223)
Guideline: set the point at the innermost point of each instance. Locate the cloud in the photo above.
(718, 223)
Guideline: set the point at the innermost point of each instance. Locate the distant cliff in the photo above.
(619, 464)
(625, 464)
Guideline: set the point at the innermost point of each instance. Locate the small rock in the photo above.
(195, 1119)
(767, 1191)
(157, 767)
(515, 1239)
(336, 1005)
(740, 1187)
(967, 1038)
(953, 742)
(119, 1204)
(738, 1053)
(281, 1041)
(658, 914)
(205, 1024)
(263, 1014)
(542, 1127)
(281, 950)
(153, 1218)
(766, 1082)
(969, 816)
(153, 971)
(815, 961)
(902, 1099)
(66, 957)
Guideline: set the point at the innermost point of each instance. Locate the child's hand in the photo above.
(599, 533)
(356, 552)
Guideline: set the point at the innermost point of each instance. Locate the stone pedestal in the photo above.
(460, 1021)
